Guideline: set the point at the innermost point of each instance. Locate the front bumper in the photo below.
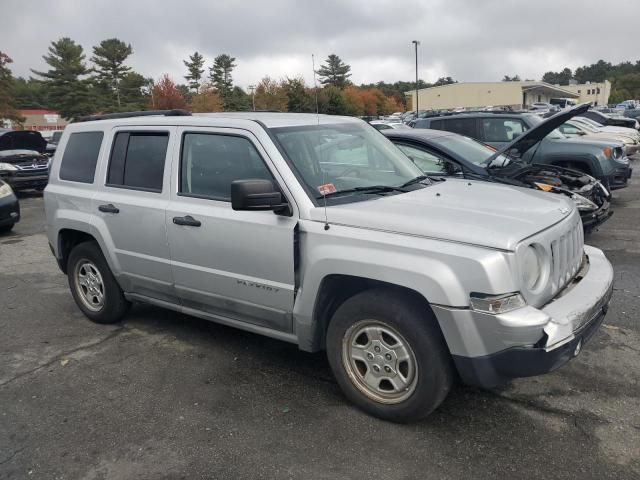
(591, 220)
(23, 182)
(620, 177)
(490, 350)
(9, 210)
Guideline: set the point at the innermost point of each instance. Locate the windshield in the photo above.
(471, 150)
(583, 126)
(555, 134)
(335, 157)
(588, 121)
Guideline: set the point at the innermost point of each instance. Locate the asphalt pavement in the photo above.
(167, 396)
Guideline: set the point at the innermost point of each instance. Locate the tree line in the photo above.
(624, 78)
(75, 85)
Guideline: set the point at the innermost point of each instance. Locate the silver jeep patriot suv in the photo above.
(317, 230)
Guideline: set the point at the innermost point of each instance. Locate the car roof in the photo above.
(268, 119)
(479, 115)
(418, 133)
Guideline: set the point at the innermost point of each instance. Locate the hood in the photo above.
(22, 140)
(478, 213)
(534, 135)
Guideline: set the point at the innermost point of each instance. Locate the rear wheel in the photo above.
(6, 228)
(389, 356)
(93, 286)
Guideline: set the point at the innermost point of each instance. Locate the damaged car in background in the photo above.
(24, 163)
(438, 152)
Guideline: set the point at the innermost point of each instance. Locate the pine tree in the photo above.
(195, 66)
(68, 91)
(335, 72)
(7, 92)
(109, 58)
(220, 77)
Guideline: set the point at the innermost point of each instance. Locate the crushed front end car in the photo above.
(590, 196)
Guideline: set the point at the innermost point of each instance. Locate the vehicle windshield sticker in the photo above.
(327, 189)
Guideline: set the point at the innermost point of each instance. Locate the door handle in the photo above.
(188, 221)
(109, 208)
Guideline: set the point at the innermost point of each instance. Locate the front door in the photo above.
(231, 264)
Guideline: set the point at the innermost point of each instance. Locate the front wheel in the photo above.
(6, 228)
(389, 356)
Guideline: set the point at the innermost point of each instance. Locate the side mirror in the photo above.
(256, 194)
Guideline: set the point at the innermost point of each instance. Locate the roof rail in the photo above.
(176, 112)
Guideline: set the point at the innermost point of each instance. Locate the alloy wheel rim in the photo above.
(89, 285)
(379, 361)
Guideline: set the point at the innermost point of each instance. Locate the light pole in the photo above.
(253, 96)
(416, 43)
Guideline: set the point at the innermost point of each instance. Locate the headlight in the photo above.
(583, 204)
(8, 166)
(496, 304)
(622, 160)
(5, 190)
(531, 268)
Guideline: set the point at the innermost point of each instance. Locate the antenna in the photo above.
(315, 85)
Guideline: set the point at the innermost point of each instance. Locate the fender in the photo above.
(429, 267)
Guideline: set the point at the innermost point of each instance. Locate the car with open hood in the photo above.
(317, 230)
(24, 163)
(602, 159)
(441, 153)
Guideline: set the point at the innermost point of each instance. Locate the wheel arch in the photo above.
(335, 289)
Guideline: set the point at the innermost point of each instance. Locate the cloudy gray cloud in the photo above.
(470, 40)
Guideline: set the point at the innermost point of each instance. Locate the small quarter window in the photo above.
(80, 157)
(137, 160)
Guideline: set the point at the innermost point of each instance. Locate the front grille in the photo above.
(31, 172)
(566, 255)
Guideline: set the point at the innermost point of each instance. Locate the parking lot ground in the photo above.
(166, 396)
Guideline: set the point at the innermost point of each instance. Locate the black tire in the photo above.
(6, 228)
(416, 324)
(114, 305)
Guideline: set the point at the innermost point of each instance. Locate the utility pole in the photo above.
(416, 43)
(253, 96)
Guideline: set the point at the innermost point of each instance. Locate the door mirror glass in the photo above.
(256, 194)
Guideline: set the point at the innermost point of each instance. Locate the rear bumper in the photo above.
(490, 350)
(9, 210)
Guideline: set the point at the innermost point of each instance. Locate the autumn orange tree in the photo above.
(166, 96)
(271, 95)
(207, 100)
(353, 100)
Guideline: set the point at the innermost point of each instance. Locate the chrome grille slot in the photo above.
(566, 255)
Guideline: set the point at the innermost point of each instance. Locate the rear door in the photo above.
(130, 207)
(236, 265)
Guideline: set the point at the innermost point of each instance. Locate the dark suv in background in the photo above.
(604, 160)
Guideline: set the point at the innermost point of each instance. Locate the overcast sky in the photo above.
(470, 40)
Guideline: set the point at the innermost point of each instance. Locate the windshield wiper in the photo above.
(370, 189)
(420, 178)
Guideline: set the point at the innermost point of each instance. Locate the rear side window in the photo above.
(80, 157)
(463, 126)
(137, 160)
(501, 129)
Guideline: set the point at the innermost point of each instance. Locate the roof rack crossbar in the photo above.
(176, 112)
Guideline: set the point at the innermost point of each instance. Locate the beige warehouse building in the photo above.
(504, 94)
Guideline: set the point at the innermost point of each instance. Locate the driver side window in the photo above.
(426, 161)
